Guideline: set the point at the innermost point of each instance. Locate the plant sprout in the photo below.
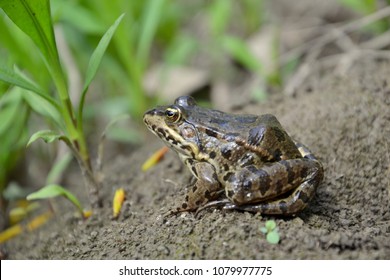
(271, 232)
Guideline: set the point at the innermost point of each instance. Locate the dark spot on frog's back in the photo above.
(264, 180)
(226, 152)
(291, 174)
(277, 154)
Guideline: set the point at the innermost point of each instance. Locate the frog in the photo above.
(241, 162)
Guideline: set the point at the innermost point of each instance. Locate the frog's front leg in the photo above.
(206, 188)
(284, 187)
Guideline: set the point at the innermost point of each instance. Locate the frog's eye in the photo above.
(173, 114)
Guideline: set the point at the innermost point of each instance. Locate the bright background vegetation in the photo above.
(154, 31)
(168, 33)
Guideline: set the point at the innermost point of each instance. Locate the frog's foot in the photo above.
(170, 213)
(205, 189)
(215, 203)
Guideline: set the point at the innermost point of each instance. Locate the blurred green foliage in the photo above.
(66, 115)
(152, 31)
(14, 113)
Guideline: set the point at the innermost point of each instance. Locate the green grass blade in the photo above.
(13, 78)
(149, 23)
(33, 18)
(17, 79)
(97, 55)
(46, 135)
(220, 15)
(95, 61)
(238, 49)
(80, 17)
(54, 190)
(59, 168)
(10, 110)
(44, 108)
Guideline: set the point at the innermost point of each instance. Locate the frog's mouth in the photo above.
(155, 122)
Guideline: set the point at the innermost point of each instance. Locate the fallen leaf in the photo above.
(155, 158)
(119, 198)
(19, 228)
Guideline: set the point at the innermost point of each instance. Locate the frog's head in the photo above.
(172, 125)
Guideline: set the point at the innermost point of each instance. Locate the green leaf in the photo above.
(14, 191)
(270, 225)
(273, 237)
(238, 49)
(33, 18)
(10, 109)
(17, 78)
(14, 78)
(95, 60)
(82, 18)
(97, 55)
(180, 50)
(46, 135)
(58, 168)
(220, 12)
(44, 108)
(149, 23)
(54, 190)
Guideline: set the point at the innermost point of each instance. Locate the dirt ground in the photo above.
(342, 115)
(344, 119)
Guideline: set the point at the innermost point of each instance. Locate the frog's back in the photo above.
(223, 123)
(269, 135)
(263, 134)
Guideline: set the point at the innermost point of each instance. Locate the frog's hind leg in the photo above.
(290, 205)
(283, 188)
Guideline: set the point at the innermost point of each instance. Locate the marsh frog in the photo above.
(243, 162)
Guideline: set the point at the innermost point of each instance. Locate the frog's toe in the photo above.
(169, 213)
(215, 203)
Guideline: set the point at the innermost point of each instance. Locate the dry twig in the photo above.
(343, 61)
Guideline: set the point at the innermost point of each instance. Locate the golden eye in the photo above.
(173, 114)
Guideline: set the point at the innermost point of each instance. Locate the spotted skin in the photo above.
(242, 162)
